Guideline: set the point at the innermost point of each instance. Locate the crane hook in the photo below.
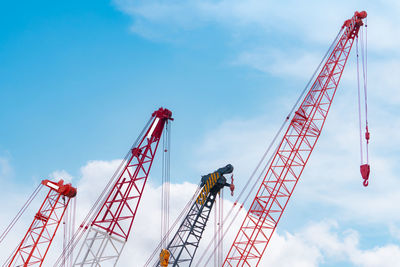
(365, 170)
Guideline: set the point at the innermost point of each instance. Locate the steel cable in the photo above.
(97, 204)
(20, 212)
(265, 154)
(183, 212)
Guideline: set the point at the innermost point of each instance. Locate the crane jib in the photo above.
(183, 246)
(211, 181)
(292, 154)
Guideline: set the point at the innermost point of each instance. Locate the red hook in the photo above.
(365, 170)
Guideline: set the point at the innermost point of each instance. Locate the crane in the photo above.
(111, 219)
(293, 152)
(183, 246)
(36, 242)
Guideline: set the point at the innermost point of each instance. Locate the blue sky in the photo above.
(78, 81)
(79, 85)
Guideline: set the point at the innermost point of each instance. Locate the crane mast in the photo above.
(183, 246)
(292, 154)
(111, 226)
(35, 244)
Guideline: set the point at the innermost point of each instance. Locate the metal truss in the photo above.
(292, 155)
(184, 244)
(99, 247)
(36, 243)
(112, 224)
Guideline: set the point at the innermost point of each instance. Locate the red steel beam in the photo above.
(34, 246)
(292, 155)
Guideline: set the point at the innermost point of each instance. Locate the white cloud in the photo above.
(324, 242)
(239, 142)
(145, 234)
(313, 245)
(308, 20)
(331, 178)
(394, 231)
(6, 171)
(285, 39)
(386, 256)
(93, 177)
(331, 182)
(281, 63)
(61, 174)
(235, 16)
(288, 250)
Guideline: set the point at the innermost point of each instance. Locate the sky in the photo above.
(79, 80)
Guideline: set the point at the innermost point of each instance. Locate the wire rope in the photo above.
(256, 182)
(178, 219)
(97, 204)
(20, 212)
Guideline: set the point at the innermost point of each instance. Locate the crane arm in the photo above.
(36, 243)
(183, 246)
(112, 224)
(292, 154)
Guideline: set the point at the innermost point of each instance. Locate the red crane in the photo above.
(34, 246)
(112, 220)
(293, 153)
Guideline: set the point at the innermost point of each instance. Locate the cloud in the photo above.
(270, 18)
(314, 244)
(91, 180)
(282, 39)
(330, 185)
(235, 16)
(380, 256)
(323, 242)
(145, 234)
(236, 141)
(61, 174)
(6, 171)
(394, 231)
(280, 63)
(263, 34)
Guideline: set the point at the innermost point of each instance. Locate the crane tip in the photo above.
(362, 14)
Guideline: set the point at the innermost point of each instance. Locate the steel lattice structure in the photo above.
(184, 244)
(292, 154)
(34, 246)
(110, 228)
